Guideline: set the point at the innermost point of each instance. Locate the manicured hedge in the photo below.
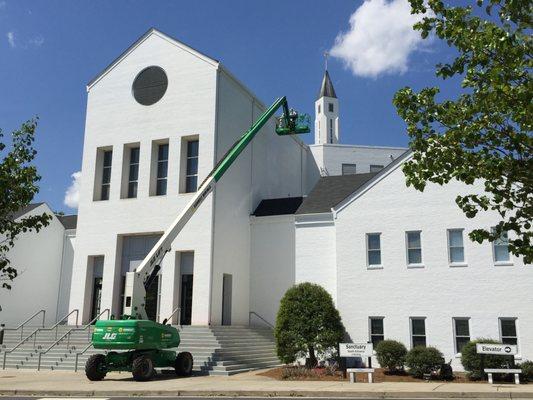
(391, 355)
(474, 363)
(423, 360)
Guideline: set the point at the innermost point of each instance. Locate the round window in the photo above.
(150, 85)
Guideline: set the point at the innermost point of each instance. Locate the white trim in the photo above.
(463, 263)
(421, 263)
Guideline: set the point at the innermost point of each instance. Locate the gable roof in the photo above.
(150, 32)
(331, 190)
(282, 206)
(326, 89)
(25, 210)
(68, 221)
(373, 181)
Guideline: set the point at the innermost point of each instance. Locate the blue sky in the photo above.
(50, 50)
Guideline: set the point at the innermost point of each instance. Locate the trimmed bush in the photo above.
(527, 371)
(423, 360)
(472, 361)
(307, 324)
(391, 355)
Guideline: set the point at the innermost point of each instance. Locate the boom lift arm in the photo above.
(139, 281)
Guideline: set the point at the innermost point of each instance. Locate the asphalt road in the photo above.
(208, 398)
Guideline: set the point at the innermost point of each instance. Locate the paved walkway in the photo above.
(58, 383)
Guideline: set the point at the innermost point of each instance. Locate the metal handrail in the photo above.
(178, 310)
(21, 326)
(258, 316)
(67, 335)
(56, 325)
(79, 353)
(17, 346)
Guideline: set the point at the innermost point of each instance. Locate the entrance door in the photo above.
(97, 296)
(226, 299)
(186, 299)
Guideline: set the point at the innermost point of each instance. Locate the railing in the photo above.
(56, 325)
(35, 332)
(67, 335)
(21, 326)
(260, 317)
(79, 353)
(176, 310)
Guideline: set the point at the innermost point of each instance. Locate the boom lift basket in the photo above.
(294, 125)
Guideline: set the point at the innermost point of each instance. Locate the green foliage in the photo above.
(307, 324)
(391, 355)
(527, 371)
(18, 178)
(474, 363)
(485, 133)
(423, 360)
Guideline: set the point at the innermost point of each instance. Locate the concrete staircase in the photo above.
(219, 350)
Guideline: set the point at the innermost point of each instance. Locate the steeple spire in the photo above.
(326, 89)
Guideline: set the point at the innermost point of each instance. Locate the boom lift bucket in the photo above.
(292, 123)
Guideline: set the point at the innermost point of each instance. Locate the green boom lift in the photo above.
(146, 342)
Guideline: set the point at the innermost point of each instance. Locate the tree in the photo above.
(485, 133)
(307, 324)
(18, 186)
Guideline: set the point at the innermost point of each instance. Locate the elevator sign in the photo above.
(499, 349)
(355, 349)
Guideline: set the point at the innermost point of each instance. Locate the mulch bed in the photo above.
(318, 374)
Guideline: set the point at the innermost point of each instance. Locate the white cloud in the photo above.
(72, 195)
(380, 38)
(3, 4)
(36, 41)
(11, 38)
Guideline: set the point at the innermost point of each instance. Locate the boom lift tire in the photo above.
(142, 368)
(184, 364)
(95, 367)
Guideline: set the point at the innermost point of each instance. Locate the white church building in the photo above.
(397, 262)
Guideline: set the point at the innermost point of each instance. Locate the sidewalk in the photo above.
(59, 383)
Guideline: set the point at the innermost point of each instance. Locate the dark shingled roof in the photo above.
(331, 190)
(68, 221)
(283, 206)
(25, 210)
(326, 89)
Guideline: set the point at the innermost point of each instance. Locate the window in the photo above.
(418, 332)
(501, 248)
(376, 330)
(373, 245)
(106, 174)
(319, 108)
(508, 331)
(330, 107)
(349, 169)
(456, 250)
(330, 130)
(414, 248)
(162, 169)
(150, 85)
(133, 173)
(461, 333)
(191, 176)
(376, 168)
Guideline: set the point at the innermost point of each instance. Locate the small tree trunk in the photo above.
(311, 361)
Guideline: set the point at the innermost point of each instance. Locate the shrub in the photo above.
(472, 361)
(423, 360)
(307, 324)
(527, 371)
(391, 355)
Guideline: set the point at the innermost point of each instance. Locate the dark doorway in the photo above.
(186, 299)
(97, 297)
(152, 297)
(226, 299)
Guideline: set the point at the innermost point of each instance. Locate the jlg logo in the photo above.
(109, 336)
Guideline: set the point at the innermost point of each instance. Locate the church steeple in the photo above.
(326, 89)
(326, 112)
